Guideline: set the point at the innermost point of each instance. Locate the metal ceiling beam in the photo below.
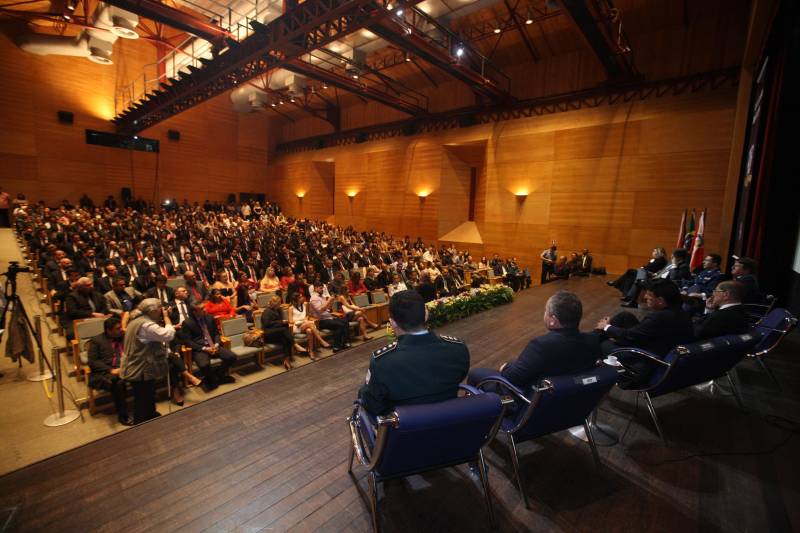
(606, 95)
(515, 18)
(593, 19)
(310, 25)
(173, 17)
(369, 92)
(419, 34)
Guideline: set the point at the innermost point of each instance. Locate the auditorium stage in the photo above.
(272, 456)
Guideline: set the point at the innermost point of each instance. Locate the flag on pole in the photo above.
(682, 231)
(688, 240)
(698, 251)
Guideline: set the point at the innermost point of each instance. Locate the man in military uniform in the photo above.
(421, 367)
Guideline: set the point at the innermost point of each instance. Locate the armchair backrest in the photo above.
(435, 435)
(174, 283)
(698, 362)
(561, 402)
(361, 300)
(263, 298)
(234, 329)
(86, 329)
(773, 327)
(378, 297)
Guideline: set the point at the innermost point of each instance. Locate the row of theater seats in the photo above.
(420, 438)
(233, 330)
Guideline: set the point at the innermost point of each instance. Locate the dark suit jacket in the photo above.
(152, 292)
(201, 290)
(191, 332)
(101, 356)
(658, 331)
(654, 265)
(562, 351)
(76, 305)
(728, 321)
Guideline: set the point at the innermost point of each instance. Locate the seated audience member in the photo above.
(355, 285)
(397, 285)
(105, 353)
(225, 285)
(666, 326)
(676, 271)
(121, 300)
(350, 312)
(218, 306)
(744, 271)
(105, 282)
(584, 267)
(181, 307)
(286, 278)
(82, 302)
(161, 291)
(244, 303)
(200, 333)
(298, 285)
(277, 330)
(302, 323)
(425, 288)
(197, 291)
(270, 282)
(561, 269)
(420, 367)
(658, 260)
(320, 308)
(563, 350)
(702, 284)
(727, 316)
(371, 282)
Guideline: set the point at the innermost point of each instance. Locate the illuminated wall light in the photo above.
(352, 194)
(301, 194)
(424, 193)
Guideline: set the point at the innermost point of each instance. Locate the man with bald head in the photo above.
(82, 302)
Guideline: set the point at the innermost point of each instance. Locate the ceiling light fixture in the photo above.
(324, 85)
(399, 12)
(459, 51)
(528, 17)
(497, 29)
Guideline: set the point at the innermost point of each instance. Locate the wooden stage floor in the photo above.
(272, 456)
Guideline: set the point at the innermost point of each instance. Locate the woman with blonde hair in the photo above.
(270, 282)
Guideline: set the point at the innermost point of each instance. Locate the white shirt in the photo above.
(183, 309)
(153, 332)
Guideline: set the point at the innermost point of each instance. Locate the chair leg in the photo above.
(587, 427)
(485, 482)
(512, 448)
(352, 456)
(763, 364)
(735, 390)
(653, 414)
(373, 501)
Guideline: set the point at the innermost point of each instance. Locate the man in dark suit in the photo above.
(676, 271)
(161, 291)
(744, 271)
(105, 354)
(82, 302)
(728, 316)
(197, 290)
(667, 325)
(199, 332)
(563, 350)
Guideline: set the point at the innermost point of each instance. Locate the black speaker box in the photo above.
(66, 117)
(125, 193)
(173, 135)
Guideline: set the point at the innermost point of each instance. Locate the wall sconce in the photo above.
(301, 194)
(352, 194)
(521, 195)
(423, 194)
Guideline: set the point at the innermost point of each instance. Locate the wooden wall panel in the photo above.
(612, 179)
(219, 151)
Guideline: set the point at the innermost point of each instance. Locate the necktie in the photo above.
(164, 270)
(181, 312)
(206, 335)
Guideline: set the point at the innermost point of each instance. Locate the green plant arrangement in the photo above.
(451, 308)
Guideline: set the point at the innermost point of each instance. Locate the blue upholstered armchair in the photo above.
(692, 364)
(556, 404)
(419, 438)
(773, 328)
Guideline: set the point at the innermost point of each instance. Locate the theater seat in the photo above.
(233, 331)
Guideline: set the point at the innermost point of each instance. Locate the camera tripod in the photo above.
(15, 302)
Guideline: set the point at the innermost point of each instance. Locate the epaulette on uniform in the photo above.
(448, 338)
(386, 349)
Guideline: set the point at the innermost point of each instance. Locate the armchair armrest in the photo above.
(225, 342)
(652, 358)
(367, 458)
(469, 389)
(516, 392)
